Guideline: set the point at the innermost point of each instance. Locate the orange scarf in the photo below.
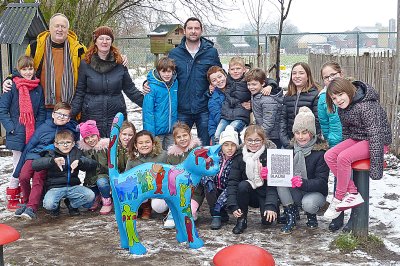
(26, 116)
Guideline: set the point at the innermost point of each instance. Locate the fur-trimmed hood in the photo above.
(176, 151)
(102, 145)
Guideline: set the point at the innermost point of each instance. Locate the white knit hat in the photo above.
(304, 120)
(229, 134)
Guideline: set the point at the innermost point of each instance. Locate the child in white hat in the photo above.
(215, 187)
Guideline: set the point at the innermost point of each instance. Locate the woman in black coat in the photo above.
(101, 80)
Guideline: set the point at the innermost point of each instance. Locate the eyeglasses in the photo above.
(61, 115)
(330, 76)
(253, 141)
(64, 143)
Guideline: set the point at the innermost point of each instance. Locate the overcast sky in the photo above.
(329, 15)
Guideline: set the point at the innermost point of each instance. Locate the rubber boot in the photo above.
(107, 206)
(146, 207)
(13, 196)
(290, 212)
(312, 222)
(96, 203)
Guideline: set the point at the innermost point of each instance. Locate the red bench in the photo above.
(7, 235)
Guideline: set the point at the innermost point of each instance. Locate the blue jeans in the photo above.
(103, 186)
(78, 196)
(238, 125)
(201, 121)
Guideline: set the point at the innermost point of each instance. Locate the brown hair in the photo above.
(255, 129)
(332, 64)
(165, 63)
(256, 74)
(193, 19)
(180, 125)
(339, 85)
(213, 70)
(62, 105)
(236, 60)
(24, 61)
(93, 50)
(126, 124)
(292, 90)
(64, 134)
(132, 150)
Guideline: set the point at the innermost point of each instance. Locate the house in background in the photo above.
(20, 23)
(164, 38)
(369, 37)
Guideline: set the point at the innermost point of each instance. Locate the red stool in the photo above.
(7, 235)
(243, 255)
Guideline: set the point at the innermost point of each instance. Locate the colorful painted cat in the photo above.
(174, 184)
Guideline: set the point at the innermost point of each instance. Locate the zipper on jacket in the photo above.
(221, 170)
(68, 171)
(297, 101)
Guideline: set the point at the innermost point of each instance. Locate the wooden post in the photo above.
(273, 46)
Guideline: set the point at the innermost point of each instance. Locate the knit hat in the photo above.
(103, 30)
(229, 134)
(89, 128)
(304, 120)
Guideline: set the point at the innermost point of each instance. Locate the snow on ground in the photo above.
(91, 239)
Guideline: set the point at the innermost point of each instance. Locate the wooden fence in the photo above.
(376, 69)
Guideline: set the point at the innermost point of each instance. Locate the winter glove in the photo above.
(209, 186)
(264, 173)
(297, 181)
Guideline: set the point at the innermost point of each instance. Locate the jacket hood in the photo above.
(176, 151)
(364, 93)
(102, 145)
(157, 77)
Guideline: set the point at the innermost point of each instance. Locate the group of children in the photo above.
(52, 152)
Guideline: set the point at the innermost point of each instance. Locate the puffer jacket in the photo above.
(291, 106)
(365, 119)
(65, 178)
(99, 154)
(99, 95)
(192, 75)
(236, 94)
(9, 115)
(214, 110)
(43, 137)
(267, 111)
(238, 174)
(160, 105)
(331, 126)
(175, 155)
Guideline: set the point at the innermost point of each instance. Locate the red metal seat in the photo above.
(361, 165)
(8, 234)
(243, 255)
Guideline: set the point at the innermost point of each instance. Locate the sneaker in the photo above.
(107, 206)
(72, 211)
(20, 210)
(29, 214)
(331, 212)
(350, 201)
(169, 222)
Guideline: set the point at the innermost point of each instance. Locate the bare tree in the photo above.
(284, 11)
(255, 11)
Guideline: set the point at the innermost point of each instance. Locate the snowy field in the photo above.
(91, 239)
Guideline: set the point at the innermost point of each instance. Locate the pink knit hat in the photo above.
(89, 128)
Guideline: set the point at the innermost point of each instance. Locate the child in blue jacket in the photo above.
(21, 112)
(160, 105)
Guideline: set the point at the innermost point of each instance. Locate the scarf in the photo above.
(26, 116)
(67, 82)
(300, 154)
(103, 66)
(253, 166)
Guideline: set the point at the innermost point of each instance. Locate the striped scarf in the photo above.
(67, 82)
(26, 116)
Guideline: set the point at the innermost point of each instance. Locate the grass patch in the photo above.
(347, 243)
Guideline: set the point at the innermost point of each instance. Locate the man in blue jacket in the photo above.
(193, 57)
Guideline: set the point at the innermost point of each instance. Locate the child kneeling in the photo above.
(62, 181)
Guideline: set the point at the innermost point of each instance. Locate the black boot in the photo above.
(281, 219)
(224, 216)
(312, 222)
(349, 226)
(241, 224)
(72, 211)
(336, 223)
(290, 212)
(216, 223)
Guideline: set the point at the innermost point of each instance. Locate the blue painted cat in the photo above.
(172, 183)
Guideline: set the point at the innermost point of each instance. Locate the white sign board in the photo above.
(280, 167)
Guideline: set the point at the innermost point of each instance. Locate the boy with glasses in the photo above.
(62, 165)
(42, 138)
